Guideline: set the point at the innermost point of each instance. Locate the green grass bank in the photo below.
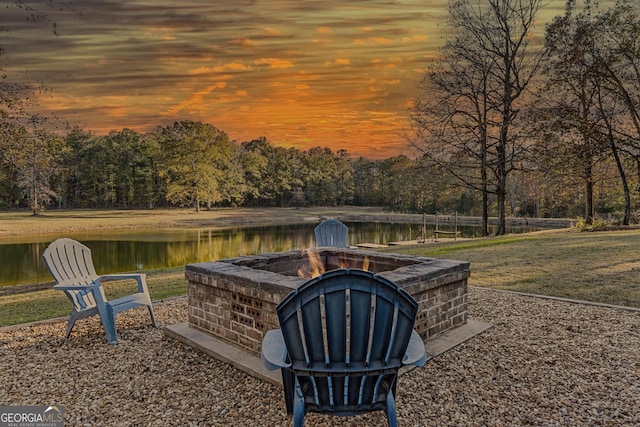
(602, 267)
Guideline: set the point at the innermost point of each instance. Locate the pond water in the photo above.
(21, 257)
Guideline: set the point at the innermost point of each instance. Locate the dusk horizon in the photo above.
(341, 75)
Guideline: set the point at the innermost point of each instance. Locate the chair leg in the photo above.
(72, 321)
(298, 409)
(109, 324)
(153, 318)
(289, 386)
(392, 417)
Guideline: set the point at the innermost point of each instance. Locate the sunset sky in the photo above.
(336, 73)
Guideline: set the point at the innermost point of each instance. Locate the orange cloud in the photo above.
(379, 40)
(245, 42)
(274, 62)
(233, 66)
(199, 70)
(270, 31)
(195, 101)
(372, 41)
(301, 75)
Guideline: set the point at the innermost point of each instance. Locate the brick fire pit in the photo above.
(235, 299)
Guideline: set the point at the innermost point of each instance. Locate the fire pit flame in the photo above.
(365, 263)
(316, 267)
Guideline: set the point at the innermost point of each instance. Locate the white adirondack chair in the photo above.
(70, 264)
(332, 233)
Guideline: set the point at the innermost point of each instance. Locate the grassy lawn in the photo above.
(49, 304)
(22, 223)
(593, 266)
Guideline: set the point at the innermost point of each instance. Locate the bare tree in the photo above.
(568, 113)
(617, 53)
(594, 75)
(467, 119)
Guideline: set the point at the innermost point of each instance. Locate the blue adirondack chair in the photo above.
(70, 264)
(344, 336)
(332, 233)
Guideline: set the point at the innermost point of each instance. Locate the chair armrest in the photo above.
(121, 276)
(274, 350)
(141, 278)
(415, 354)
(91, 286)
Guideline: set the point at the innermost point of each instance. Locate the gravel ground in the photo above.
(544, 363)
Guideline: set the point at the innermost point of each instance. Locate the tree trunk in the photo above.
(637, 158)
(485, 210)
(502, 214)
(623, 177)
(588, 202)
(485, 190)
(501, 187)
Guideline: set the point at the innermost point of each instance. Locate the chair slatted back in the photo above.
(332, 233)
(70, 263)
(346, 333)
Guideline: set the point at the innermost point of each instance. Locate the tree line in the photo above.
(184, 164)
(194, 164)
(565, 112)
(505, 124)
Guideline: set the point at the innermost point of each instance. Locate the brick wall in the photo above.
(235, 313)
(441, 307)
(238, 304)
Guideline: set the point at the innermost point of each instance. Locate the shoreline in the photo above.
(22, 223)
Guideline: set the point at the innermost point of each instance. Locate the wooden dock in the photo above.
(428, 242)
(408, 242)
(437, 233)
(371, 246)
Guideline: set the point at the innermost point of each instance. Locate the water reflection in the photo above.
(21, 261)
